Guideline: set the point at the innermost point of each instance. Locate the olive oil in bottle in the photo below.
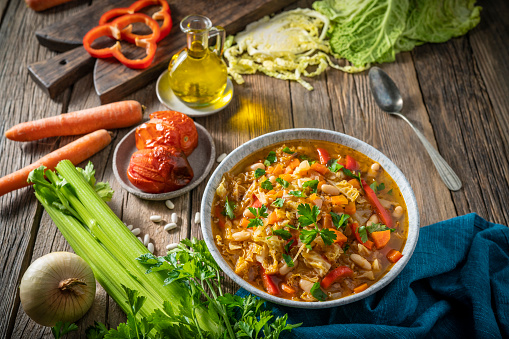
(198, 75)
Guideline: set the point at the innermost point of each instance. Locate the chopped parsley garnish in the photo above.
(304, 157)
(377, 188)
(352, 175)
(298, 194)
(288, 260)
(313, 184)
(317, 292)
(258, 213)
(363, 230)
(283, 182)
(346, 247)
(229, 207)
(267, 185)
(307, 237)
(288, 244)
(282, 233)
(259, 172)
(390, 192)
(278, 202)
(271, 158)
(287, 150)
(334, 166)
(328, 236)
(339, 220)
(307, 215)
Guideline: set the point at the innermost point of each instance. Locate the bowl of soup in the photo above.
(309, 218)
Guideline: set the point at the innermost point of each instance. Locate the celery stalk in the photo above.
(104, 266)
(124, 241)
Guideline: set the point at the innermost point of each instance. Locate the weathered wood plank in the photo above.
(21, 101)
(356, 113)
(466, 127)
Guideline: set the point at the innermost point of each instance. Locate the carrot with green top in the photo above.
(115, 115)
(77, 151)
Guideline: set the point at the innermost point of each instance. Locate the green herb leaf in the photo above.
(288, 245)
(313, 184)
(304, 157)
(307, 215)
(307, 237)
(287, 150)
(390, 192)
(278, 202)
(378, 227)
(271, 158)
(282, 233)
(266, 185)
(363, 233)
(62, 328)
(339, 220)
(282, 182)
(258, 213)
(328, 236)
(229, 207)
(317, 292)
(288, 260)
(298, 194)
(377, 188)
(334, 166)
(259, 172)
(346, 247)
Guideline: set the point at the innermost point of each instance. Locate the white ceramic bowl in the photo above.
(254, 145)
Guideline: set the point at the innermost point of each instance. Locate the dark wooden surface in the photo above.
(457, 93)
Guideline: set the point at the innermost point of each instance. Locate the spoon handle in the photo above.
(447, 174)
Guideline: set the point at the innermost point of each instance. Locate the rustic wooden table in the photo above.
(457, 93)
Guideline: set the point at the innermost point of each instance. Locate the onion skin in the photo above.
(59, 286)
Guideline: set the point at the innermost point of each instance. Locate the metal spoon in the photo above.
(388, 97)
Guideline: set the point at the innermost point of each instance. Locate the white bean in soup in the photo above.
(306, 216)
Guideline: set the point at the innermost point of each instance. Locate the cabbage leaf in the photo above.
(369, 31)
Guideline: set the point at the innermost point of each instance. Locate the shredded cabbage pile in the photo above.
(296, 43)
(282, 47)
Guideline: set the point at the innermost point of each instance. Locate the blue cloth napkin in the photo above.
(456, 285)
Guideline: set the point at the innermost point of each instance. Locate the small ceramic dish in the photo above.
(263, 141)
(167, 98)
(201, 161)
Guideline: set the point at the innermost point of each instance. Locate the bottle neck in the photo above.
(197, 43)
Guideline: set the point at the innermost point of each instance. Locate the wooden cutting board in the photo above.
(112, 80)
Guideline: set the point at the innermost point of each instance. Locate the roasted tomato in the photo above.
(159, 169)
(156, 132)
(185, 125)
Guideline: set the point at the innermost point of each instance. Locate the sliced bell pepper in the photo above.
(268, 283)
(334, 275)
(163, 14)
(256, 203)
(220, 216)
(113, 29)
(379, 209)
(351, 164)
(323, 155)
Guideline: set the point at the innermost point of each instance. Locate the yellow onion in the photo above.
(59, 286)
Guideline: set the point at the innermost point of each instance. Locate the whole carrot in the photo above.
(41, 5)
(77, 151)
(116, 115)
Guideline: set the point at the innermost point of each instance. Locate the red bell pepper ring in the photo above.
(268, 283)
(379, 209)
(351, 164)
(335, 275)
(163, 14)
(323, 155)
(113, 29)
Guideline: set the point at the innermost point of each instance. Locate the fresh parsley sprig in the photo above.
(278, 202)
(363, 230)
(267, 185)
(339, 221)
(259, 213)
(282, 182)
(297, 194)
(229, 208)
(333, 165)
(377, 187)
(287, 150)
(307, 215)
(313, 184)
(259, 172)
(282, 233)
(271, 158)
(317, 292)
(288, 260)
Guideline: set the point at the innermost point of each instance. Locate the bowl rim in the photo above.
(268, 139)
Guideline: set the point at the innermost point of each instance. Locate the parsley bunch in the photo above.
(193, 268)
(259, 213)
